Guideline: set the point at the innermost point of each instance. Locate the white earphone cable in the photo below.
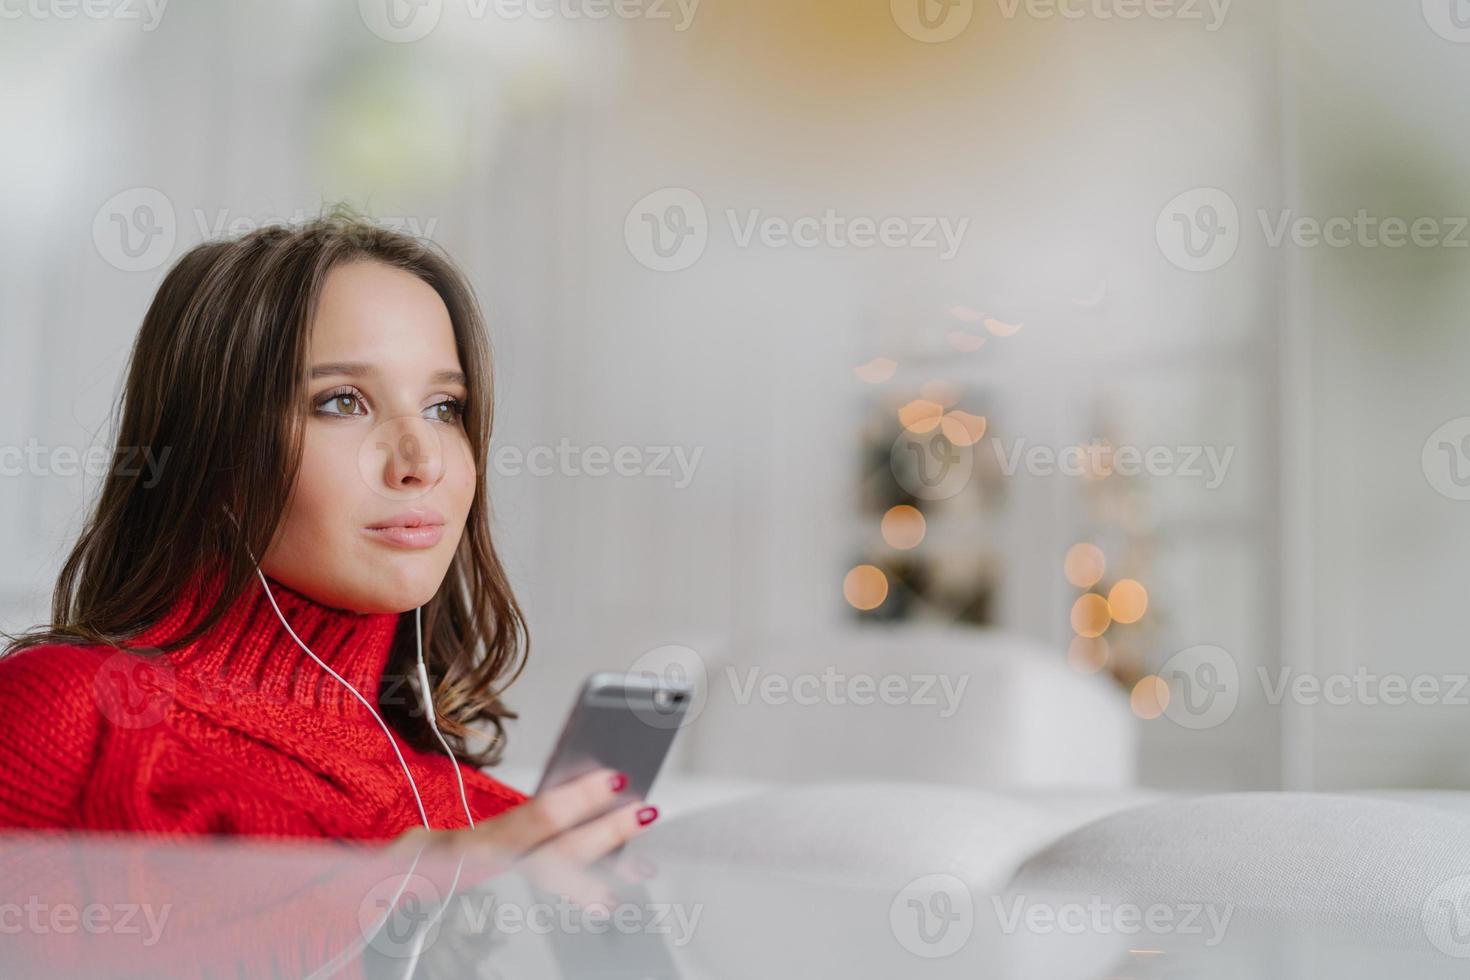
(411, 785)
(418, 631)
(424, 694)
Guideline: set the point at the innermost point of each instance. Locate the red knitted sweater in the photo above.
(239, 733)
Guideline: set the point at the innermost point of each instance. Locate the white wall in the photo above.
(1381, 127)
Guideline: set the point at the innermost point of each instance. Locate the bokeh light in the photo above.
(962, 428)
(1127, 601)
(920, 415)
(1085, 565)
(876, 371)
(1149, 698)
(865, 587)
(903, 527)
(1090, 616)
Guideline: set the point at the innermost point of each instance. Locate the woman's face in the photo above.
(387, 475)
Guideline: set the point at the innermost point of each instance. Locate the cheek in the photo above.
(327, 486)
(459, 477)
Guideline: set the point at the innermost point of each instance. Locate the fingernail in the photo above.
(647, 815)
(618, 781)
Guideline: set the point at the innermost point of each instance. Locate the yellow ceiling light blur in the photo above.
(962, 428)
(920, 415)
(1002, 329)
(1127, 601)
(1149, 698)
(1085, 565)
(865, 587)
(876, 371)
(1090, 616)
(903, 527)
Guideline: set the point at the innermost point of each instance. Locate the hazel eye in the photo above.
(448, 411)
(341, 403)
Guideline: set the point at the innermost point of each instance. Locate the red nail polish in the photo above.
(647, 815)
(618, 781)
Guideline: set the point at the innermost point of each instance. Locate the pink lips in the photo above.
(417, 528)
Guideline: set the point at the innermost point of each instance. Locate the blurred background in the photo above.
(1006, 392)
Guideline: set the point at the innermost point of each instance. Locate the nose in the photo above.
(413, 457)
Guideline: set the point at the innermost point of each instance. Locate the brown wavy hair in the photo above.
(217, 375)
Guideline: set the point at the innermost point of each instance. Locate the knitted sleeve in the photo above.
(50, 718)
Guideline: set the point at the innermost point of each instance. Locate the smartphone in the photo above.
(619, 721)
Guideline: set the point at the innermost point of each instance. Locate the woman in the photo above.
(321, 398)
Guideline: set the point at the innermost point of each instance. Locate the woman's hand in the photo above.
(542, 836)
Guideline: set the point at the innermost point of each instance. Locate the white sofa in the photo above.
(966, 707)
(1232, 885)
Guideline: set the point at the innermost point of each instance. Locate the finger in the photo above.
(549, 814)
(602, 836)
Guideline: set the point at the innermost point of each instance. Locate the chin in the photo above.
(399, 585)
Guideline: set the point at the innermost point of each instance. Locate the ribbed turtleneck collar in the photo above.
(249, 652)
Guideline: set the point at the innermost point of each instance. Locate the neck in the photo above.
(249, 651)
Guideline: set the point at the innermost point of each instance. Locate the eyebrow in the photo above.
(355, 369)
